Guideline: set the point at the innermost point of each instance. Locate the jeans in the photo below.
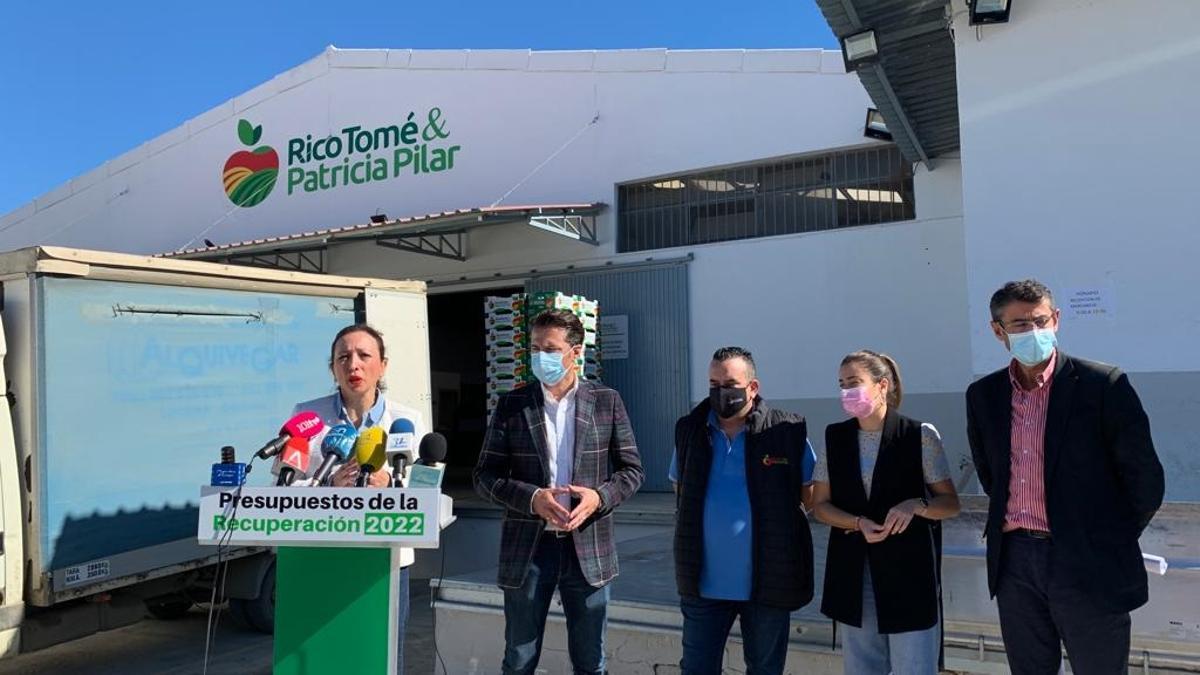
(869, 652)
(1036, 615)
(554, 565)
(706, 625)
(402, 623)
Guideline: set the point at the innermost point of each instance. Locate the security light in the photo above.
(859, 48)
(989, 11)
(875, 126)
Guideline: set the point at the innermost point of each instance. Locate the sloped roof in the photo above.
(816, 61)
(914, 84)
(428, 223)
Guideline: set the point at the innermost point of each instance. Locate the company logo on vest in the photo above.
(249, 175)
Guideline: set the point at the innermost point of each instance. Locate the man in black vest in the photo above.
(742, 544)
(1062, 448)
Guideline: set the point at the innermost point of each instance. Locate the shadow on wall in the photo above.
(97, 536)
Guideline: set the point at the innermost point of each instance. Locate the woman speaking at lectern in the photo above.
(358, 359)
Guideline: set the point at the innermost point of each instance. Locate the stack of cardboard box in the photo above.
(508, 319)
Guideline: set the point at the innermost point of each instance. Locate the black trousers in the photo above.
(1037, 619)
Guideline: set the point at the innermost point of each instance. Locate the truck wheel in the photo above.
(168, 608)
(258, 613)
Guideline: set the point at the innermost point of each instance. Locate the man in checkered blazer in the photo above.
(559, 456)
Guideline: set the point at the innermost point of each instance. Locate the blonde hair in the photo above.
(881, 367)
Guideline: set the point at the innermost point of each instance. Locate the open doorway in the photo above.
(458, 384)
(645, 351)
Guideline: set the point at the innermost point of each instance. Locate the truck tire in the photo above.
(168, 608)
(257, 613)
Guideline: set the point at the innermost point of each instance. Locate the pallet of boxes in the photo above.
(508, 355)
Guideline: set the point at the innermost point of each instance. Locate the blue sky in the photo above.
(82, 82)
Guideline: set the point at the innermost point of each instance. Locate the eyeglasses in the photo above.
(1026, 325)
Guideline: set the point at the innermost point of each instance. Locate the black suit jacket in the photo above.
(1103, 479)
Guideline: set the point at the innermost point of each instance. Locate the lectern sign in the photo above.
(290, 516)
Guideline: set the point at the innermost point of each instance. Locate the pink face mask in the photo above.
(856, 402)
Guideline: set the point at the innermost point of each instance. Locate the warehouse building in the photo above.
(766, 198)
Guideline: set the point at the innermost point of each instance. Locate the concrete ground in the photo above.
(153, 647)
(470, 552)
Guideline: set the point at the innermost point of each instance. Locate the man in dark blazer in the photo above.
(1062, 448)
(559, 456)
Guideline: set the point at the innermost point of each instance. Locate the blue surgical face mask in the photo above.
(548, 368)
(1033, 347)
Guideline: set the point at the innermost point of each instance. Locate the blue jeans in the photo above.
(869, 652)
(402, 623)
(706, 625)
(554, 565)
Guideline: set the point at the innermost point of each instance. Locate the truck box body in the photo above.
(126, 375)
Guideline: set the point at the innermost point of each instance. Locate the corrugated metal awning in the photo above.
(438, 234)
(913, 84)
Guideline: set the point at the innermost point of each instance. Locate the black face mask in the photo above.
(727, 401)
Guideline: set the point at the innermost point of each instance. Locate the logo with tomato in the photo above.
(249, 175)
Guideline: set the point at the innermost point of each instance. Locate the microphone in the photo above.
(369, 453)
(304, 425)
(228, 472)
(336, 447)
(399, 449)
(433, 449)
(294, 460)
(429, 469)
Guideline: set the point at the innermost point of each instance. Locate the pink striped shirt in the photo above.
(1026, 485)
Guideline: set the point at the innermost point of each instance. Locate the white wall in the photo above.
(1079, 168)
(799, 302)
(895, 287)
(802, 303)
(659, 112)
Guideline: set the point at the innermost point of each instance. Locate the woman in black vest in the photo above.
(881, 485)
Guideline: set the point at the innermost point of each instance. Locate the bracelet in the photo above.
(857, 520)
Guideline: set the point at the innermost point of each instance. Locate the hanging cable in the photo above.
(546, 161)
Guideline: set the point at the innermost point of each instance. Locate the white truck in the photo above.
(124, 376)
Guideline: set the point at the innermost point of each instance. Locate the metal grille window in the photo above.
(804, 194)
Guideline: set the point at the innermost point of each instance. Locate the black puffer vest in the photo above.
(782, 543)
